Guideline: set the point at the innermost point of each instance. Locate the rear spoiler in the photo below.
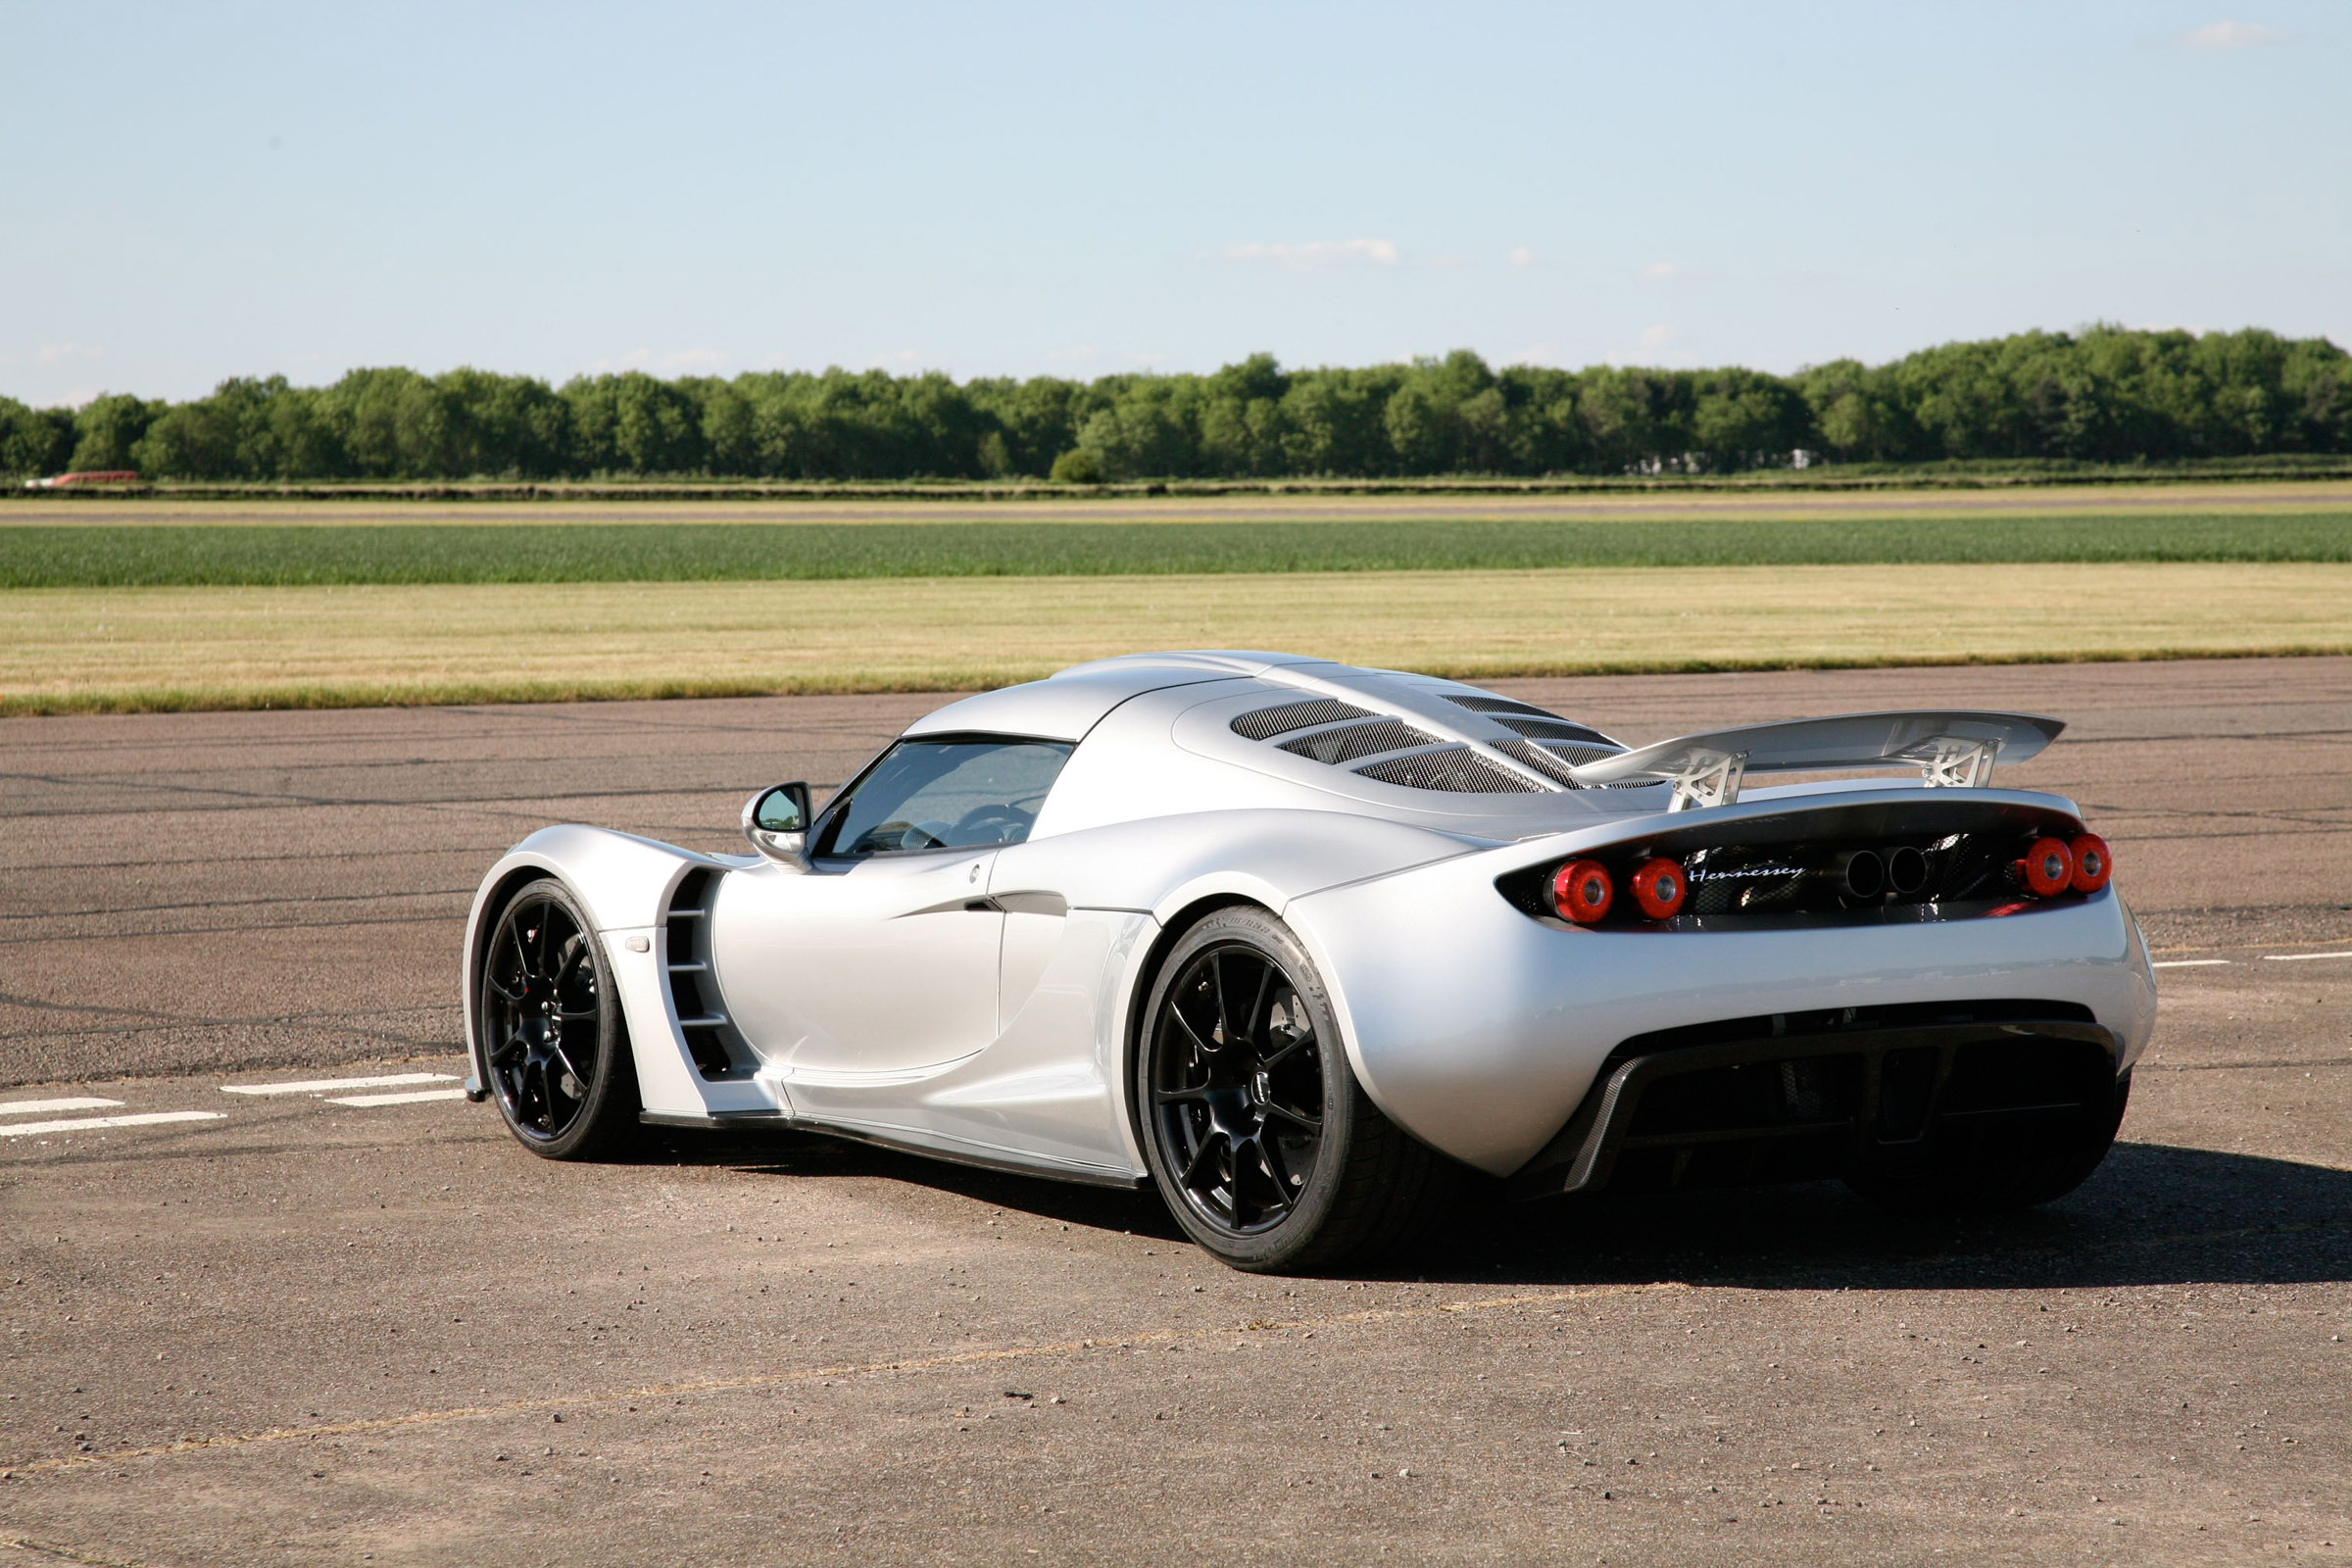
(1952, 748)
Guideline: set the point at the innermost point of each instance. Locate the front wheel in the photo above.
(554, 1052)
(1259, 1137)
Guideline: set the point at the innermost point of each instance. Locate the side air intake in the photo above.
(718, 1048)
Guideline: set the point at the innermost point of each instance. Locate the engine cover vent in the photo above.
(1351, 741)
(1264, 723)
(1498, 705)
(1555, 729)
(1454, 769)
(1552, 764)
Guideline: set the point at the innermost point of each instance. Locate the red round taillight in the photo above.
(1582, 890)
(1659, 887)
(2048, 868)
(2091, 864)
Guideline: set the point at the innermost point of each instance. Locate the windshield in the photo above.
(947, 794)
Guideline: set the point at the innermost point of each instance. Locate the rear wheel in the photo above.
(554, 1054)
(2010, 1175)
(1258, 1135)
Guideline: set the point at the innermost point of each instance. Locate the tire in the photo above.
(2008, 1178)
(555, 1055)
(1263, 1144)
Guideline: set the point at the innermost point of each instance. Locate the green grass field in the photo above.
(260, 555)
(129, 604)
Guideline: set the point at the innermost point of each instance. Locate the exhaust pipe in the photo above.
(1861, 873)
(1906, 871)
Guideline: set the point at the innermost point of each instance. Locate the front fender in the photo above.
(625, 883)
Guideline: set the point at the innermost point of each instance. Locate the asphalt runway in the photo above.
(353, 1321)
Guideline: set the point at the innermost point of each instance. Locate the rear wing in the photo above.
(1950, 749)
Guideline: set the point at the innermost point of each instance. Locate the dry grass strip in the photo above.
(134, 650)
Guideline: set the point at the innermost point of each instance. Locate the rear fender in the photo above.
(1478, 1028)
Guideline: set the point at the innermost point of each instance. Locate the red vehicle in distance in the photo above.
(87, 476)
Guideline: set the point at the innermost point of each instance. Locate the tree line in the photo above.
(2106, 395)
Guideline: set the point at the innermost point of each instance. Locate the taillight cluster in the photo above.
(2054, 866)
(1584, 890)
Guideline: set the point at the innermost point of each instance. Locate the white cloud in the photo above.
(1522, 256)
(2217, 36)
(64, 353)
(1657, 336)
(1319, 253)
(676, 362)
(1661, 271)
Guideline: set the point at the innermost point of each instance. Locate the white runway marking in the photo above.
(81, 1124)
(2187, 963)
(34, 1107)
(320, 1086)
(410, 1098)
(2299, 958)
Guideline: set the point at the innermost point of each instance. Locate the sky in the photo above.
(190, 191)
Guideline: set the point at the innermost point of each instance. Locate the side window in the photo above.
(947, 795)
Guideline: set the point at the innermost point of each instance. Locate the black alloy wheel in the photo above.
(1263, 1144)
(1237, 1096)
(554, 1054)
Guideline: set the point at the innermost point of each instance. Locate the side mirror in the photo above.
(776, 823)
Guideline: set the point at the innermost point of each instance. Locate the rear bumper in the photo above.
(1784, 1107)
(1481, 1031)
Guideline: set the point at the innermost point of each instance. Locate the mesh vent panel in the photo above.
(1454, 769)
(1357, 740)
(1548, 764)
(1552, 729)
(1578, 755)
(1498, 704)
(1264, 722)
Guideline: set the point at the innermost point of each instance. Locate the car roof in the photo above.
(1311, 729)
(1066, 704)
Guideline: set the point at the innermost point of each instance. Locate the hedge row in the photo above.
(2106, 395)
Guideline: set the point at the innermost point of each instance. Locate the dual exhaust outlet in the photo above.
(1869, 875)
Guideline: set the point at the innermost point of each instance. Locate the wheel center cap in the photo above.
(1233, 1112)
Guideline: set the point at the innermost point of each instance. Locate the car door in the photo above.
(881, 959)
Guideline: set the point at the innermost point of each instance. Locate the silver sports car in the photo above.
(1303, 945)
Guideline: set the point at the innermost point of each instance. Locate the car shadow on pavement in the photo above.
(2154, 1214)
(807, 1155)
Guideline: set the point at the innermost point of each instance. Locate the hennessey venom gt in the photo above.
(1300, 944)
